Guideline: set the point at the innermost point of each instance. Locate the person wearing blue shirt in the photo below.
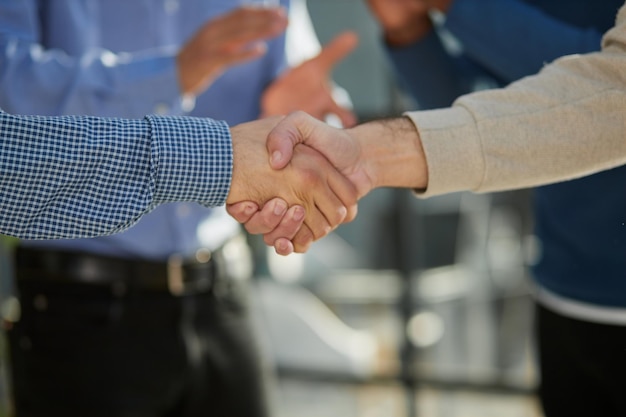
(80, 176)
(581, 270)
(154, 320)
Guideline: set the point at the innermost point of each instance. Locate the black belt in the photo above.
(178, 276)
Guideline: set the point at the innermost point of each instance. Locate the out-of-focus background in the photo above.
(417, 308)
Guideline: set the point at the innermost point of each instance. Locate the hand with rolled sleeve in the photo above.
(238, 36)
(233, 38)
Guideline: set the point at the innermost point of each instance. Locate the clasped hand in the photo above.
(325, 186)
(313, 196)
(325, 170)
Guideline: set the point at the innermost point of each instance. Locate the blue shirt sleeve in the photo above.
(513, 39)
(428, 72)
(500, 42)
(46, 80)
(76, 177)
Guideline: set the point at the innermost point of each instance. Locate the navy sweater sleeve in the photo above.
(501, 41)
(513, 39)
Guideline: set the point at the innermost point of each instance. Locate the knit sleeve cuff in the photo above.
(451, 143)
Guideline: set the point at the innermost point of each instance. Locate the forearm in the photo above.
(37, 77)
(566, 122)
(46, 82)
(391, 153)
(69, 177)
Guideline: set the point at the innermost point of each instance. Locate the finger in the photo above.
(284, 137)
(246, 25)
(316, 221)
(251, 52)
(336, 50)
(339, 203)
(324, 209)
(266, 220)
(289, 225)
(303, 240)
(347, 193)
(242, 211)
(284, 247)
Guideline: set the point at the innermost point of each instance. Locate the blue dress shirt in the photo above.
(580, 223)
(117, 58)
(71, 176)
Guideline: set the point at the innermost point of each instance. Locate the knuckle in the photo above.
(268, 222)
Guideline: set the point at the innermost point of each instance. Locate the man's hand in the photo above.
(405, 21)
(339, 146)
(307, 87)
(384, 153)
(381, 153)
(230, 39)
(308, 180)
(278, 224)
(280, 230)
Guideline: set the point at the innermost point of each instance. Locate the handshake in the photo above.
(316, 174)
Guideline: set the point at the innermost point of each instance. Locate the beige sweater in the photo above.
(566, 122)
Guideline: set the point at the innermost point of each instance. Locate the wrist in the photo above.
(394, 155)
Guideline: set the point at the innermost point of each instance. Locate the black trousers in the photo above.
(81, 351)
(582, 366)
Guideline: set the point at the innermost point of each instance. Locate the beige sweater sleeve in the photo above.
(566, 122)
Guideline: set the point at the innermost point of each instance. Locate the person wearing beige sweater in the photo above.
(566, 122)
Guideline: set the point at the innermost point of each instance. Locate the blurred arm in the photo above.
(513, 38)
(36, 79)
(307, 84)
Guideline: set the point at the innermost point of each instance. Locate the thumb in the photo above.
(284, 137)
(337, 49)
(242, 211)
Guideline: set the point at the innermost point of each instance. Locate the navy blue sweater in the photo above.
(581, 224)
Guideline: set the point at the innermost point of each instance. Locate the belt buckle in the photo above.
(176, 282)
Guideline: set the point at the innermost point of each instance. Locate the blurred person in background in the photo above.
(153, 321)
(581, 264)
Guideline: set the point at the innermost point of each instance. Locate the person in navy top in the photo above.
(580, 273)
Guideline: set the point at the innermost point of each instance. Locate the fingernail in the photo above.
(249, 209)
(279, 208)
(298, 213)
(282, 248)
(277, 156)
